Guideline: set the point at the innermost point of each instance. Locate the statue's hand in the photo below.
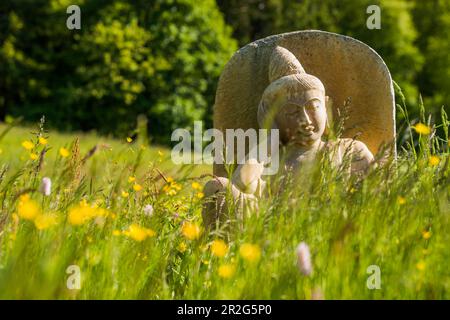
(247, 177)
(362, 157)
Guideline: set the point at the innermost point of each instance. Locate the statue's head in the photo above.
(294, 102)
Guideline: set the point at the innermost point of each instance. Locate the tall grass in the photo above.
(396, 218)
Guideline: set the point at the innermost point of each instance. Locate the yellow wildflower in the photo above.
(421, 265)
(45, 221)
(129, 140)
(27, 144)
(219, 248)
(64, 152)
(125, 194)
(34, 156)
(160, 153)
(79, 215)
(42, 141)
(138, 233)
(401, 200)
(200, 195)
(422, 128)
(116, 233)
(433, 161)
(131, 179)
(172, 192)
(196, 185)
(426, 235)
(27, 208)
(250, 252)
(191, 230)
(137, 187)
(226, 271)
(182, 247)
(82, 213)
(172, 187)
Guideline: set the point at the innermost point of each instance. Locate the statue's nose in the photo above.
(305, 120)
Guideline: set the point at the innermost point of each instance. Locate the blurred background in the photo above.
(162, 58)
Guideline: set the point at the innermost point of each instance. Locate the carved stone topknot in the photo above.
(283, 63)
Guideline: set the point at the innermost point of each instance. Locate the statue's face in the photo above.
(303, 123)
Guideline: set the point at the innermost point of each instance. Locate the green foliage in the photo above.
(162, 58)
(413, 39)
(433, 20)
(159, 58)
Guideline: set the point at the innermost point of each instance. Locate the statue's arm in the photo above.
(248, 177)
(362, 158)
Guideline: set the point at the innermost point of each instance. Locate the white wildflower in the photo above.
(148, 210)
(46, 186)
(304, 259)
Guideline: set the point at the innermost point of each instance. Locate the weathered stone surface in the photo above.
(348, 68)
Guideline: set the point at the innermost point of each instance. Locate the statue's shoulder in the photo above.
(356, 148)
(349, 147)
(349, 143)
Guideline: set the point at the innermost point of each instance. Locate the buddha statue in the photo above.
(295, 103)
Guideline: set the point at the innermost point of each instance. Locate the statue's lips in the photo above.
(306, 133)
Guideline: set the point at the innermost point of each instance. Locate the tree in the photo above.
(432, 19)
(159, 58)
(395, 41)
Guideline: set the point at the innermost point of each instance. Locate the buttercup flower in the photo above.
(421, 265)
(138, 233)
(137, 187)
(172, 187)
(196, 186)
(226, 271)
(28, 145)
(433, 160)
(27, 208)
(422, 128)
(42, 141)
(64, 152)
(45, 221)
(200, 195)
(191, 230)
(219, 248)
(250, 252)
(182, 247)
(83, 212)
(426, 235)
(34, 156)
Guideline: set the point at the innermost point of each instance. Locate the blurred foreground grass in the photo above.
(130, 221)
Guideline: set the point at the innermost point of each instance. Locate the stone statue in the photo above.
(295, 102)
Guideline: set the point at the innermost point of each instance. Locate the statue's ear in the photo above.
(329, 109)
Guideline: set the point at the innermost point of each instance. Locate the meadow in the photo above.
(130, 221)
